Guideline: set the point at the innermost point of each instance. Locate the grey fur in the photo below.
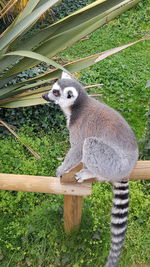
(107, 144)
(104, 142)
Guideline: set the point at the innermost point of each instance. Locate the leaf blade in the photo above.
(36, 56)
(71, 67)
(25, 23)
(65, 32)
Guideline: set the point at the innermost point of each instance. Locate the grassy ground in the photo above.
(32, 224)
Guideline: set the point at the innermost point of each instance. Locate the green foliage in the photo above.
(67, 7)
(31, 224)
(23, 161)
(41, 117)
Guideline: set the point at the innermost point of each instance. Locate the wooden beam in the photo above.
(140, 172)
(42, 184)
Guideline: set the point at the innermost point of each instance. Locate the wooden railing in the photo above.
(73, 192)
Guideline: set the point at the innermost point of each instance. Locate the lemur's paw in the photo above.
(80, 176)
(83, 175)
(79, 179)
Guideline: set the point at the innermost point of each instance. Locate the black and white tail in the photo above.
(118, 221)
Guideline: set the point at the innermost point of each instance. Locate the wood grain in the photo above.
(72, 212)
(42, 184)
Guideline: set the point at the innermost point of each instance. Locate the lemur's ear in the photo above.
(65, 75)
(69, 94)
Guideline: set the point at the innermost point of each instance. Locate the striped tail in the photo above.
(118, 221)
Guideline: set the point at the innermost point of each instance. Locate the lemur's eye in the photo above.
(56, 92)
(69, 94)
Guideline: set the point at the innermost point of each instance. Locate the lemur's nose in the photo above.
(45, 97)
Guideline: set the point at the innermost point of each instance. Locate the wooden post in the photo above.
(72, 212)
(72, 204)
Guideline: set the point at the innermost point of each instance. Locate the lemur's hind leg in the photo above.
(102, 161)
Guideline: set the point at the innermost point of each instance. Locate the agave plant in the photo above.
(9, 9)
(19, 53)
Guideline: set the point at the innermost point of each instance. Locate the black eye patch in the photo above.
(56, 92)
(69, 94)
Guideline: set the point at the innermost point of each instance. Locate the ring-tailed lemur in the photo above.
(106, 145)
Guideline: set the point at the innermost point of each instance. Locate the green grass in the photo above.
(31, 224)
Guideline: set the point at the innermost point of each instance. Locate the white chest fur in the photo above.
(67, 113)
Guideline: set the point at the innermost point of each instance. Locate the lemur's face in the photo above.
(63, 92)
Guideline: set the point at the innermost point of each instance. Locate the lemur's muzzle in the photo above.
(45, 97)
